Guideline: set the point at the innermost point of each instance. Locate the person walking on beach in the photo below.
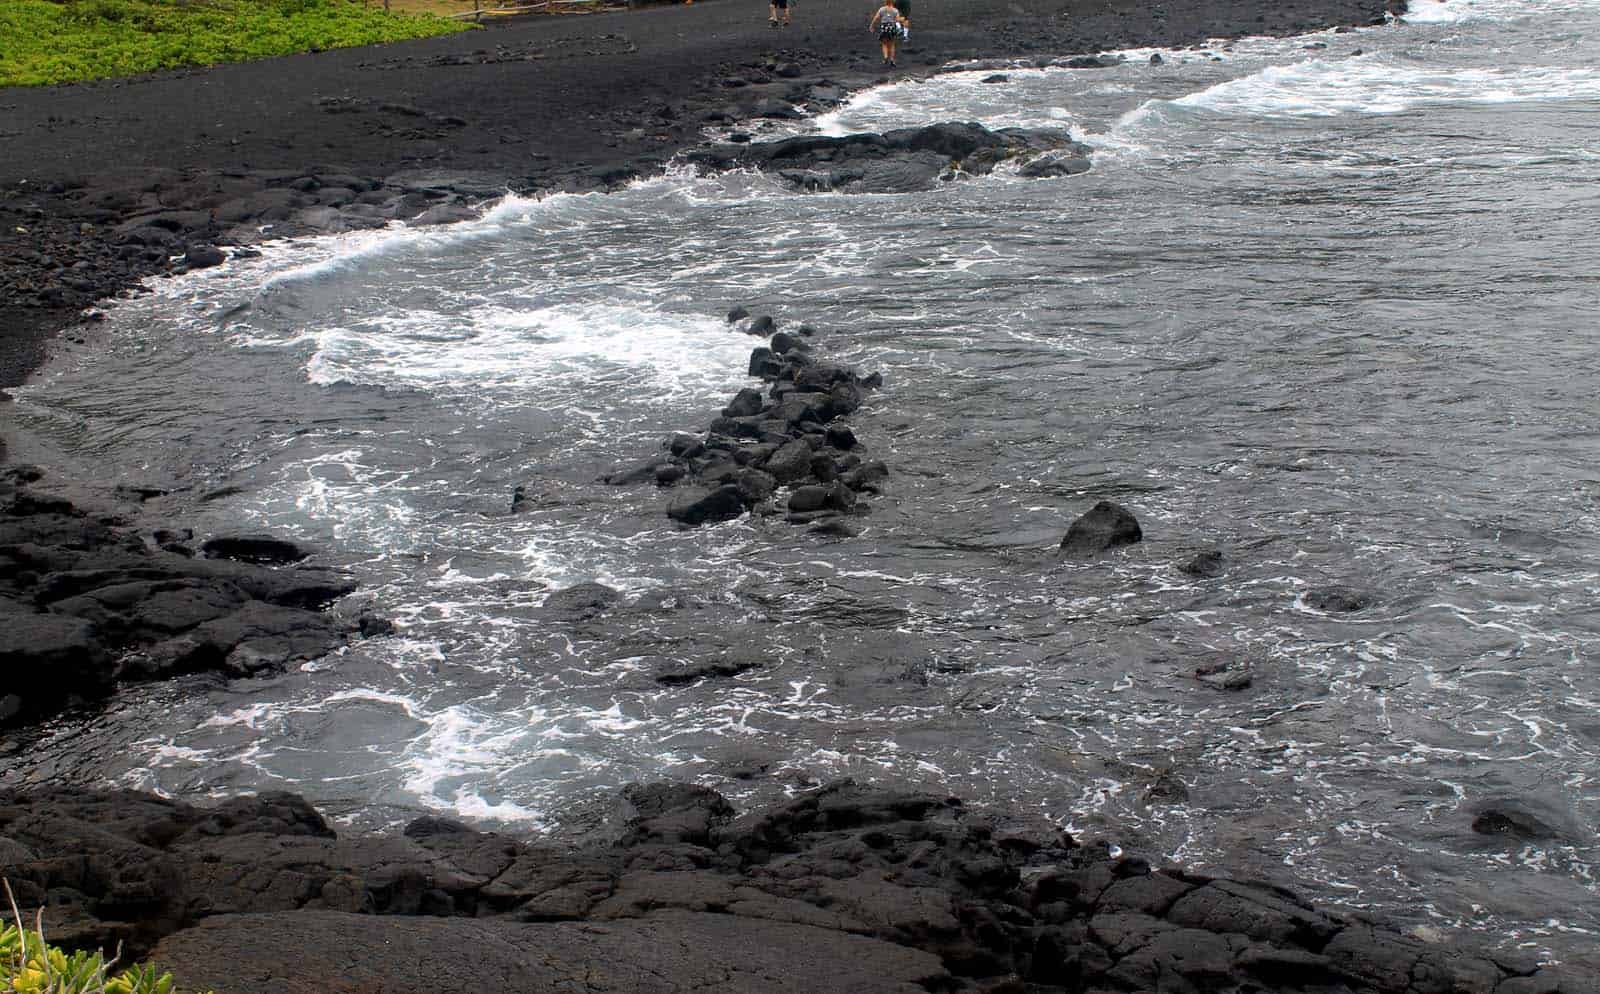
(886, 23)
(904, 6)
(772, 13)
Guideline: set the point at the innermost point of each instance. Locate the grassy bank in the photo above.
(59, 41)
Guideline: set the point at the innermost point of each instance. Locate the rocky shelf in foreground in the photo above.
(844, 890)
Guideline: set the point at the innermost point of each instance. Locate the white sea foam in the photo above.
(1371, 85)
(576, 350)
(1374, 84)
(1464, 11)
(953, 96)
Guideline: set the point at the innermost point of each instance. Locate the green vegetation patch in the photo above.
(59, 41)
(29, 965)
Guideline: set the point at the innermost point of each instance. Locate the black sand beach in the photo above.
(843, 890)
(93, 174)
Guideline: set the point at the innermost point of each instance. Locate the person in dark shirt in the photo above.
(904, 6)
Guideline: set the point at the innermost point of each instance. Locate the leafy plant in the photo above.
(30, 965)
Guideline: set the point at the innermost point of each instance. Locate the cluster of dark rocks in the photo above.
(900, 161)
(842, 890)
(789, 444)
(87, 601)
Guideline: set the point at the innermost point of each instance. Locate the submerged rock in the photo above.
(1338, 600)
(1225, 675)
(1054, 164)
(581, 601)
(1203, 564)
(676, 674)
(1526, 819)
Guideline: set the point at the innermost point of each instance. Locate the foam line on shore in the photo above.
(1370, 84)
(1464, 11)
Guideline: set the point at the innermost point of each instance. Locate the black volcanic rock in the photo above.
(204, 257)
(86, 601)
(1104, 526)
(903, 160)
(703, 506)
(260, 549)
(1338, 599)
(912, 892)
(677, 952)
(676, 674)
(744, 404)
(47, 660)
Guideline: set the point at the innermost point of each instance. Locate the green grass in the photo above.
(59, 41)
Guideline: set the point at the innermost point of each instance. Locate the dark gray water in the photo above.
(1325, 304)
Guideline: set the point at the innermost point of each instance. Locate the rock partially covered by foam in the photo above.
(792, 437)
(899, 161)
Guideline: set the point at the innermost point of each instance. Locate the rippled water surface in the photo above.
(1324, 304)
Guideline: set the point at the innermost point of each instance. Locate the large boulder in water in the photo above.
(1105, 526)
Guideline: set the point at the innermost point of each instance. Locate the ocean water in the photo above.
(1324, 304)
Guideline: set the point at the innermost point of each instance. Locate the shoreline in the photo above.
(188, 160)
